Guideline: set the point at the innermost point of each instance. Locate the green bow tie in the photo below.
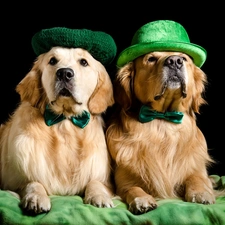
(52, 118)
(146, 114)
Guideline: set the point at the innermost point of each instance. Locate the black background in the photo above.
(204, 24)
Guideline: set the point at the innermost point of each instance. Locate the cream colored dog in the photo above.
(38, 160)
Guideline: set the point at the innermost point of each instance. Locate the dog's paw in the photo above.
(201, 197)
(101, 201)
(34, 203)
(142, 205)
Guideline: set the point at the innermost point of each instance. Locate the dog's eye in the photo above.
(152, 59)
(53, 61)
(83, 62)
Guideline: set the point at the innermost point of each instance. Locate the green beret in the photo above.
(99, 44)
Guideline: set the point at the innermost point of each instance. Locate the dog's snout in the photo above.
(65, 74)
(174, 62)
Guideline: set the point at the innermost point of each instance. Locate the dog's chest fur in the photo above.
(59, 145)
(161, 146)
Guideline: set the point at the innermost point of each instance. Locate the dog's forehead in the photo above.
(68, 53)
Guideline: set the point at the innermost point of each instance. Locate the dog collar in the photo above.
(146, 115)
(51, 118)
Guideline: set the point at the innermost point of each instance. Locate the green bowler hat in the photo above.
(162, 35)
(99, 44)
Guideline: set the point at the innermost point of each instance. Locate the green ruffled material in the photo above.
(72, 210)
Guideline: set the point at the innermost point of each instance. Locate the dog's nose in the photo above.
(65, 74)
(174, 62)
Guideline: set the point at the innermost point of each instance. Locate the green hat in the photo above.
(99, 44)
(161, 35)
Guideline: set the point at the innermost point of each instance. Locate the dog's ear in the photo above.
(200, 82)
(30, 87)
(102, 96)
(123, 86)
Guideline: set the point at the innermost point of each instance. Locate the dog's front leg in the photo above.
(139, 201)
(98, 194)
(34, 198)
(199, 189)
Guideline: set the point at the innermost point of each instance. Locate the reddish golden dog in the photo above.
(159, 159)
(37, 160)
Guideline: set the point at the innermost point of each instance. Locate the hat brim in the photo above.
(197, 53)
(99, 44)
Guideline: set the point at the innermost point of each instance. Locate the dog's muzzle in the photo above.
(65, 81)
(175, 73)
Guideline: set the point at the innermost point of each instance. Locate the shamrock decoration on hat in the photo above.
(162, 35)
(99, 44)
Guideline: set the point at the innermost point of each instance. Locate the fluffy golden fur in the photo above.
(159, 159)
(37, 160)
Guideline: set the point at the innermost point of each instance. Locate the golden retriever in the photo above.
(159, 159)
(38, 160)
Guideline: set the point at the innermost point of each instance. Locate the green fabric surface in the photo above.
(72, 210)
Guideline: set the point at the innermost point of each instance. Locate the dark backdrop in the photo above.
(204, 24)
